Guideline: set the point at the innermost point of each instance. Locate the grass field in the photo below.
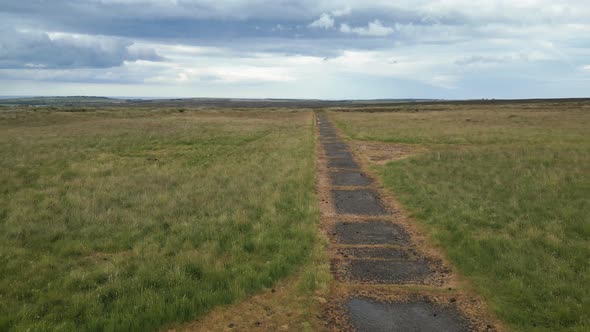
(132, 220)
(505, 190)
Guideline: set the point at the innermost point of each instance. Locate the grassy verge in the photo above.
(506, 192)
(133, 220)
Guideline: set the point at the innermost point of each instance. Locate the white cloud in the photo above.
(342, 12)
(484, 60)
(345, 28)
(444, 81)
(324, 22)
(587, 67)
(223, 74)
(375, 28)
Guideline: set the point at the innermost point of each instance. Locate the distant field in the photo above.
(506, 191)
(131, 220)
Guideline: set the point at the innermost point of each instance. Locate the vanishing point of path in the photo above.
(387, 279)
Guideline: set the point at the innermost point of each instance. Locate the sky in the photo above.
(312, 49)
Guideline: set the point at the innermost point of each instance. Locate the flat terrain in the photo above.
(146, 215)
(131, 220)
(504, 190)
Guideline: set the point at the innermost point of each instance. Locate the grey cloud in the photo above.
(253, 25)
(39, 50)
(195, 21)
(374, 28)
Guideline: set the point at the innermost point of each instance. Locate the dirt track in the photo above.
(387, 276)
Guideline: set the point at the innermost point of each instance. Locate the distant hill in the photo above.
(73, 100)
(379, 104)
(194, 102)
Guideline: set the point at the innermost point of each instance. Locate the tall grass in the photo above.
(507, 195)
(132, 220)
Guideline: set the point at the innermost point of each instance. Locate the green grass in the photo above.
(506, 192)
(133, 220)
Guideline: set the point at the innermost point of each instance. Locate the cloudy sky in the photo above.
(351, 49)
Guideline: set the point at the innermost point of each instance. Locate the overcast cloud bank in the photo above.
(296, 49)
